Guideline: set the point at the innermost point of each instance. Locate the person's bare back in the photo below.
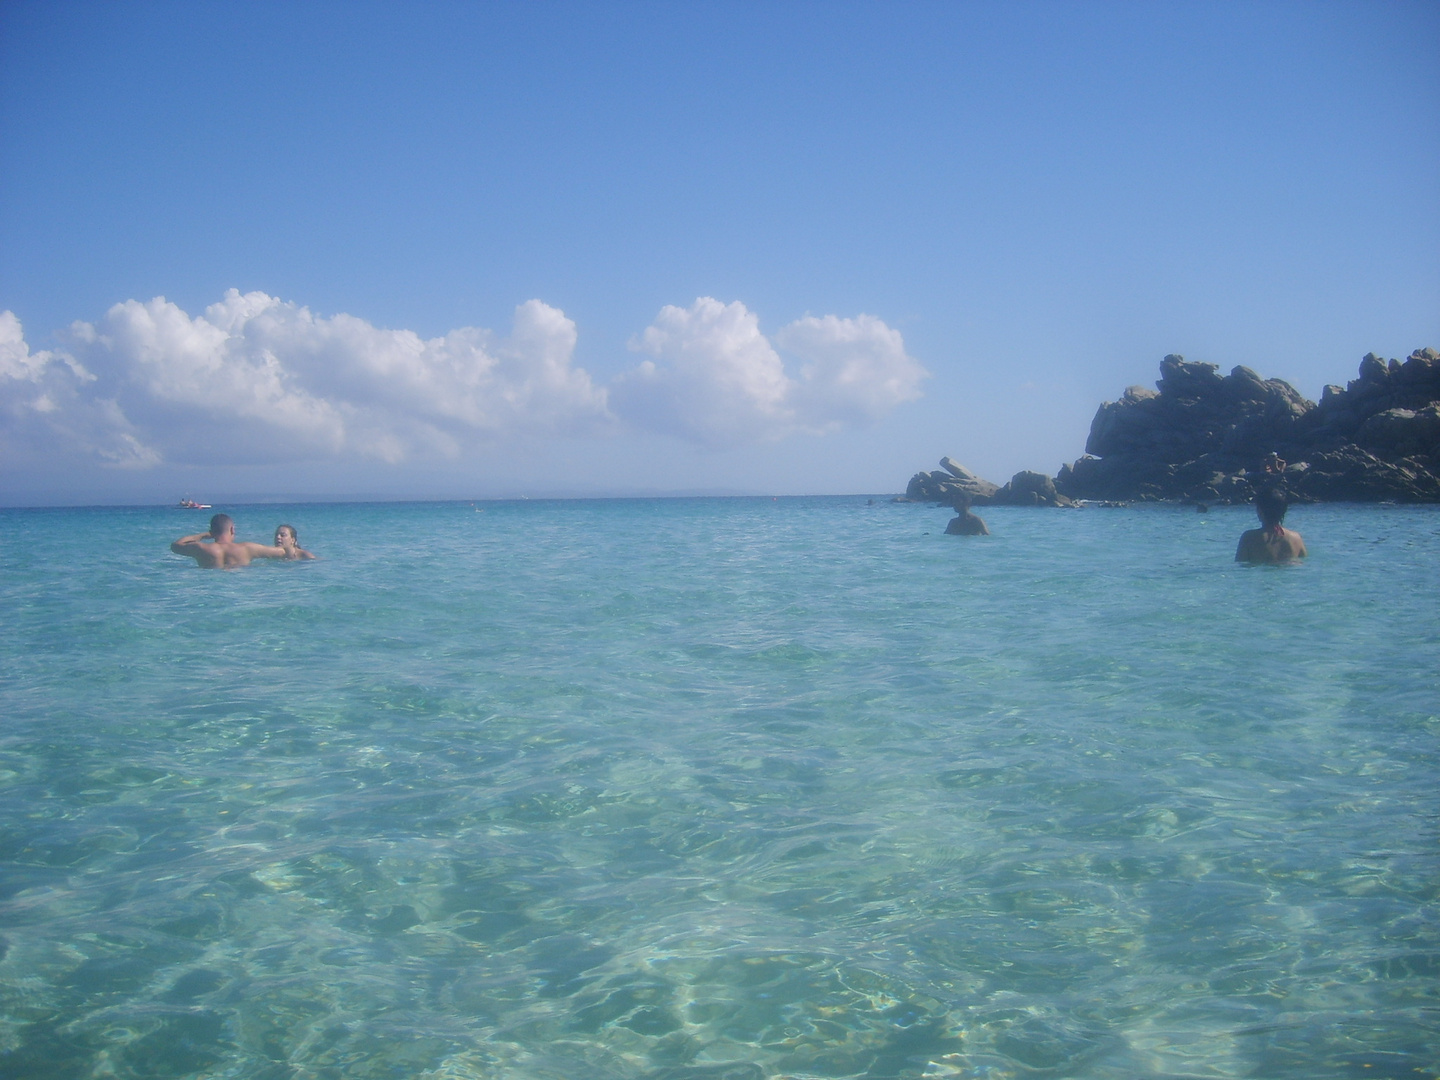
(1273, 543)
(223, 551)
(1270, 546)
(967, 523)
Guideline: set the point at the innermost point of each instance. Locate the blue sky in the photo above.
(546, 248)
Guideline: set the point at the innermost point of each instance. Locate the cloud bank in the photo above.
(256, 380)
(716, 379)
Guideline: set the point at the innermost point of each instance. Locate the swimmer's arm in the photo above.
(294, 552)
(186, 544)
(1249, 541)
(265, 551)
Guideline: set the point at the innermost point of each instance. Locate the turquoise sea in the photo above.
(720, 789)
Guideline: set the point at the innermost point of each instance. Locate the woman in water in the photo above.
(285, 537)
(1273, 543)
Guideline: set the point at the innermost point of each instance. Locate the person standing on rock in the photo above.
(1272, 543)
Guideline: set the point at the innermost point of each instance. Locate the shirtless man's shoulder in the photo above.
(220, 555)
(240, 552)
(235, 554)
(1261, 545)
(218, 548)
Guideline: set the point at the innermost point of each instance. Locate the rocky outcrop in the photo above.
(1205, 437)
(954, 485)
(951, 485)
(1030, 489)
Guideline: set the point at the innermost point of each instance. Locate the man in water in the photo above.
(1272, 543)
(224, 551)
(967, 522)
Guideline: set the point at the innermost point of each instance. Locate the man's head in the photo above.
(220, 526)
(1270, 505)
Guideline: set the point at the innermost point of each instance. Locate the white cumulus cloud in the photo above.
(204, 379)
(853, 370)
(18, 365)
(717, 380)
(259, 379)
(256, 380)
(48, 410)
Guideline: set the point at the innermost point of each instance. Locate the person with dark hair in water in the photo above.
(1272, 543)
(966, 522)
(286, 537)
(223, 551)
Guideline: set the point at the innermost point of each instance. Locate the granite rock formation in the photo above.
(1204, 437)
(954, 485)
(1031, 489)
(951, 485)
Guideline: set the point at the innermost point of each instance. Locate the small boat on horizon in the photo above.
(188, 503)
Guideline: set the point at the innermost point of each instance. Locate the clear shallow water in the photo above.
(720, 790)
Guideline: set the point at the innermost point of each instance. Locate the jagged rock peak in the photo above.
(954, 468)
(1206, 437)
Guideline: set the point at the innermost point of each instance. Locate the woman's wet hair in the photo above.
(1271, 505)
(293, 534)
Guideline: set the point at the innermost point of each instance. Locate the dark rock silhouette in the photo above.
(1204, 437)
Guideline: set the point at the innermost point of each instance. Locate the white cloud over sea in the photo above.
(716, 379)
(256, 380)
